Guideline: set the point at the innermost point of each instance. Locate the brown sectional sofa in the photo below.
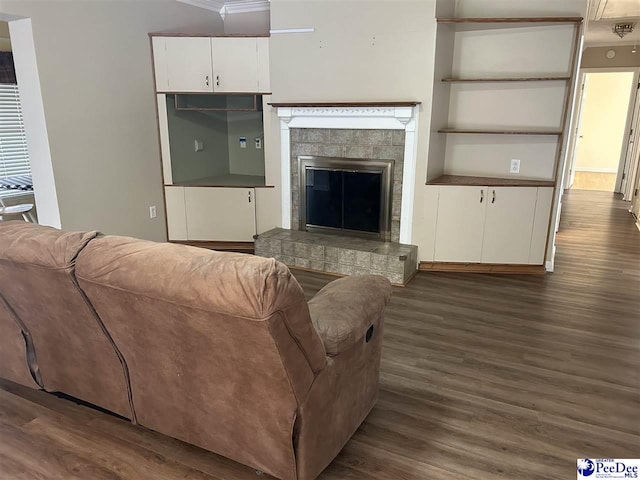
(220, 350)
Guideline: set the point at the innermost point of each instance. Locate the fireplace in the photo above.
(359, 133)
(348, 169)
(346, 196)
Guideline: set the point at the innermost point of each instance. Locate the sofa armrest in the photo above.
(345, 309)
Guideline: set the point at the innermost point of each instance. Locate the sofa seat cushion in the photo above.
(343, 310)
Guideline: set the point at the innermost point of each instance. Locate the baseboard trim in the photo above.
(550, 264)
(482, 268)
(240, 247)
(596, 170)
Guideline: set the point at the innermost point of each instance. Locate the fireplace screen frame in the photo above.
(365, 165)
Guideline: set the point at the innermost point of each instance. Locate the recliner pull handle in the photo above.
(369, 335)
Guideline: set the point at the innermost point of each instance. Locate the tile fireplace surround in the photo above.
(358, 145)
(358, 132)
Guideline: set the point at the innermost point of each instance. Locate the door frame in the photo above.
(574, 134)
(631, 158)
(576, 117)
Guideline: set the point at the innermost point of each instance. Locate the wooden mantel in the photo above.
(343, 104)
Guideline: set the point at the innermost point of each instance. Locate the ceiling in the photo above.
(604, 14)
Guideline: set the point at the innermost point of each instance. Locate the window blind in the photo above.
(14, 157)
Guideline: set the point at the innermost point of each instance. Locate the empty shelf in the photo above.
(485, 131)
(506, 79)
(488, 181)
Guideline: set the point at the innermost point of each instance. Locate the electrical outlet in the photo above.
(515, 166)
(258, 143)
(198, 145)
(243, 142)
(152, 211)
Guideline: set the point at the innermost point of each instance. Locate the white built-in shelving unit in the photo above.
(502, 91)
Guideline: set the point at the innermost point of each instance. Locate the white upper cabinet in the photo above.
(211, 65)
(183, 64)
(235, 64)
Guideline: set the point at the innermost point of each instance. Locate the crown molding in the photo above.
(212, 5)
(245, 7)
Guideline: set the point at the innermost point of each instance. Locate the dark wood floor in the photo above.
(487, 377)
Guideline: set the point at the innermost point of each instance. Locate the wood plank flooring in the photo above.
(594, 181)
(483, 376)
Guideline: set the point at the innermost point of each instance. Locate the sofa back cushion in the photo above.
(73, 352)
(220, 346)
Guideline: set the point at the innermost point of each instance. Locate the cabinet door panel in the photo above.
(235, 65)
(176, 218)
(508, 225)
(188, 64)
(541, 225)
(461, 212)
(224, 214)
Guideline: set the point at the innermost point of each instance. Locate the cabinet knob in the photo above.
(481, 195)
(249, 196)
(217, 80)
(493, 198)
(206, 80)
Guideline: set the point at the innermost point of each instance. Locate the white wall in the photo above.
(185, 127)
(94, 64)
(604, 119)
(596, 57)
(249, 23)
(248, 160)
(520, 8)
(360, 51)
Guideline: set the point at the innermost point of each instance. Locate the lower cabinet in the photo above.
(508, 224)
(211, 213)
(461, 212)
(505, 225)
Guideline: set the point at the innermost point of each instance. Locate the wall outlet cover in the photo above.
(243, 142)
(258, 143)
(199, 145)
(152, 211)
(515, 166)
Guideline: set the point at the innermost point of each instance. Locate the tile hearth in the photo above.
(340, 255)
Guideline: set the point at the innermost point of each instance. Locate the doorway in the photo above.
(603, 145)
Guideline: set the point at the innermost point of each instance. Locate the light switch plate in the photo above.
(515, 166)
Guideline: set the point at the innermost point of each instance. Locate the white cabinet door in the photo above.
(223, 214)
(459, 227)
(508, 224)
(541, 226)
(183, 64)
(235, 64)
(176, 216)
